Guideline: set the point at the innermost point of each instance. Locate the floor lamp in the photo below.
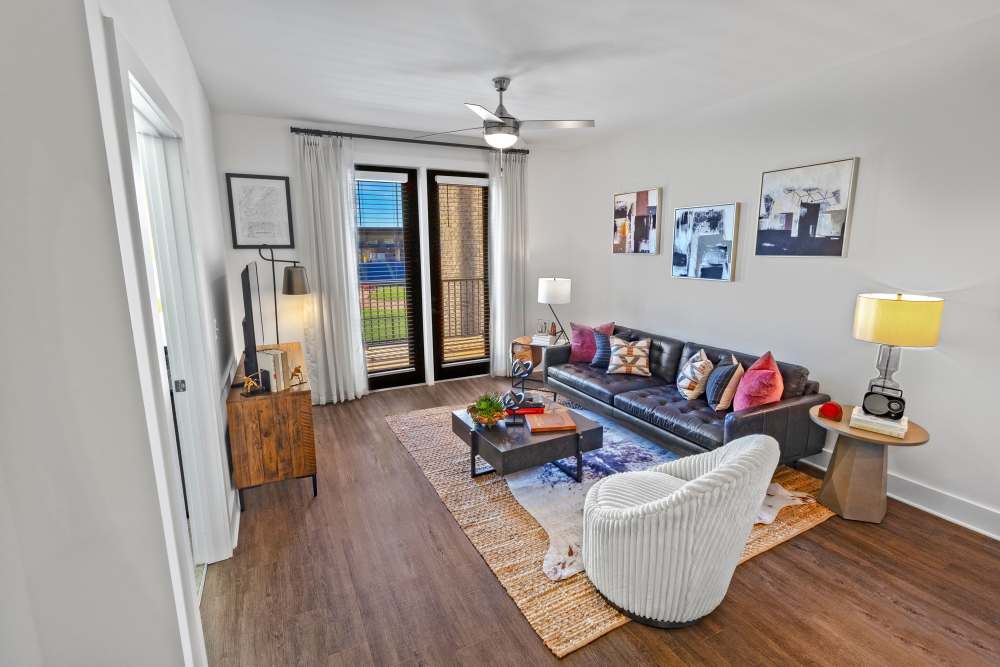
(555, 291)
(294, 281)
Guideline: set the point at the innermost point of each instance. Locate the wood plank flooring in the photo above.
(375, 571)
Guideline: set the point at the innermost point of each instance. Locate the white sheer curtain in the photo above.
(326, 235)
(508, 251)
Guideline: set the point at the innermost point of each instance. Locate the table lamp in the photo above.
(293, 281)
(555, 291)
(894, 321)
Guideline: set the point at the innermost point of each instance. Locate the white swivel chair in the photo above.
(661, 545)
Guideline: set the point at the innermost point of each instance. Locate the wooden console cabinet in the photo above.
(271, 435)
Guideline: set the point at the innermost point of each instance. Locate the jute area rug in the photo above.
(565, 614)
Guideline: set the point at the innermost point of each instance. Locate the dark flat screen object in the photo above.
(882, 405)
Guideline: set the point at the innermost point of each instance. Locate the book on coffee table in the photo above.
(549, 422)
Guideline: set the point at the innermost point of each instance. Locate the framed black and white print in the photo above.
(806, 210)
(260, 211)
(705, 241)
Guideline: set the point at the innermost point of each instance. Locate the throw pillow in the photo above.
(761, 384)
(629, 357)
(693, 376)
(581, 341)
(722, 383)
(602, 353)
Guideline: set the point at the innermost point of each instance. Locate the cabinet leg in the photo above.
(239, 494)
(315, 488)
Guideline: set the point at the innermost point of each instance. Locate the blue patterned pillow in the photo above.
(602, 355)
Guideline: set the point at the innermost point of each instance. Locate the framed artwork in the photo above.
(705, 241)
(806, 210)
(260, 211)
(634, 227)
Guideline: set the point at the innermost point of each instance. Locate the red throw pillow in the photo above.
(760, 385)
(582, 344)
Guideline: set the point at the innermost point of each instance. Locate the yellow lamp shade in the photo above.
(904, 320)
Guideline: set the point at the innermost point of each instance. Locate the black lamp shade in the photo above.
(295, 281)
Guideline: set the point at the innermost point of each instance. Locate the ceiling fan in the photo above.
(500, 129)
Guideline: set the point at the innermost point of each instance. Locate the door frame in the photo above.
(461, 369)
(411, 238)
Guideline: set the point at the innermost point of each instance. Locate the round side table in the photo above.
(855, 482)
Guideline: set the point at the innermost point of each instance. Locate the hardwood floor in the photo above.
(376, 571)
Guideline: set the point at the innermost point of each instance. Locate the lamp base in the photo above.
(885, 397)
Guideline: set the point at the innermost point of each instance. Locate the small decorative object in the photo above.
(555, 291)
(704, 241)
(251, 385)
(894, 321)
(831, 410)
(488, 410)
(806, 210)
(634, 227)
(296, 377)
(260, 211)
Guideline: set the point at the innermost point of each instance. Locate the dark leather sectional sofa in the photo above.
(653, 407)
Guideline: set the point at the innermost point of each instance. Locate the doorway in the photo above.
(458, 217)
(389, 275)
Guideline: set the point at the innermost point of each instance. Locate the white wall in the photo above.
(923, 120)
(260, 145)
(83, 531)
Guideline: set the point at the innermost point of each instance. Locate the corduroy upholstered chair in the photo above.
(661, 545)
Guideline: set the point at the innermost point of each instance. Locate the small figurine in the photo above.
(250, 385)
(296, 375)
(831, 410)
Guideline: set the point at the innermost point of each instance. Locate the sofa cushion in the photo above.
(761, 384)
(582, 346)
(665, 408)
(602, 351)
(630, 489)
(795, 377)
(629, 358)
(693, 375)
(664, 352)
(598, 384)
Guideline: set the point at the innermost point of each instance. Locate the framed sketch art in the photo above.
(634, 228)
(705, 241)
(806, 210)
(260, 211)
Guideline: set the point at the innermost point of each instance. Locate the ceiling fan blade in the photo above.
(556, 124)
(482, 112)
(435, 134)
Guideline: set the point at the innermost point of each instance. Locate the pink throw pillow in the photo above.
(761, 384)
(582, 344)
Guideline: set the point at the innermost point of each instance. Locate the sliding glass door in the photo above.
(389, 275)
(458, 207)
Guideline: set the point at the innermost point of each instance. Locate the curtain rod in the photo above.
(376, 137)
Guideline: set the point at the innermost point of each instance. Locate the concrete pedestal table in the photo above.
(855, 483)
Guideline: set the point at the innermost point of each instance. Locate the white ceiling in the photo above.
(411, 64)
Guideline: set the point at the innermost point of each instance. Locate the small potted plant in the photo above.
(487, 410)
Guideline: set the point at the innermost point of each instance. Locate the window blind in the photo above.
(387, 226)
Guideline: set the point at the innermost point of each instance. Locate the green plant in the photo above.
(488, 409)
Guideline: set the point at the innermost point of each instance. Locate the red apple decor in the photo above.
(831, 410)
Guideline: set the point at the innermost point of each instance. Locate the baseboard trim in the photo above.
(957, 510)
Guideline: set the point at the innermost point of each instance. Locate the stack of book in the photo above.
(550, 422)
(275, 362)
(543, 340)
(891, 427)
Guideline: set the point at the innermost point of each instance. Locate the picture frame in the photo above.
(635, 222)
(260, 211)
(705, 242)
(807, 210)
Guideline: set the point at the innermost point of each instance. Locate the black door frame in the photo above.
(411, 244)
(461, 369)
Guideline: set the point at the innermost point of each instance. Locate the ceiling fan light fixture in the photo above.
(501, 136)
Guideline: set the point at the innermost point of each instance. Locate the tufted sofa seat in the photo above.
(653, 406)
(666, 408)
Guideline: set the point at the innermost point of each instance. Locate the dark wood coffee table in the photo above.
(510, 448)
